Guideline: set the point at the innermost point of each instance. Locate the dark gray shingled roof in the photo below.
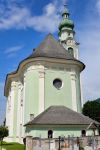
(60, 115)
(51, 48)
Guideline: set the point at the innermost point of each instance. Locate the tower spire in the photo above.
(65, 6)
(66, 22)
(65, 11)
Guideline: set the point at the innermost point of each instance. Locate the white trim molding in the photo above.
(41, 89)
(24, 91)
(13, 88)
(73, 86)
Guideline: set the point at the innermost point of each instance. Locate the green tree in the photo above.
(3, 133)
(92, 109)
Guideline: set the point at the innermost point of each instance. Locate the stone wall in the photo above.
(69, 143)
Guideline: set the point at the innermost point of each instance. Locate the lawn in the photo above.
(13, 146)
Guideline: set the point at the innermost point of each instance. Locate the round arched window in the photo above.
(57, 83)
(50, 134)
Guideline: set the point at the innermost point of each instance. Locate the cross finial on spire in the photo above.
(65, 5)
(65, 11)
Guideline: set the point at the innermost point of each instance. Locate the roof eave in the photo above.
(47, 124)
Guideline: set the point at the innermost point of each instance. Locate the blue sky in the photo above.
(25, 23)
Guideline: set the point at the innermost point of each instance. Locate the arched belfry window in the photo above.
(50, 134)
(71, 51)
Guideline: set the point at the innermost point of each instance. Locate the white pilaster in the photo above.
(23, 113)
(19, 109)
(81, 87)
(13, 90)
(73, 86)
(8, 109)
(41, 89)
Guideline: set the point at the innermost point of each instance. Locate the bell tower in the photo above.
(67, 34)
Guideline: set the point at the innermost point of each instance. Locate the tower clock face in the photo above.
(57, 83)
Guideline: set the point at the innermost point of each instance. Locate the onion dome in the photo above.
(66, 22)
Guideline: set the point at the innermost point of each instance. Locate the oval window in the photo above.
(57, 83)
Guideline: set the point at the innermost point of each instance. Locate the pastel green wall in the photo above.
(54, 96)
(31, 94)
(57, 131)
(15, 111)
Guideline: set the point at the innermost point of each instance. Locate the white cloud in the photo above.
(21, 17)
(12, 51)
(14, 18)
(98, 5)
(47, 22)
(50, 9)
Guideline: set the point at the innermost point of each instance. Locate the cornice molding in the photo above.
(40, 61)
(13, 85)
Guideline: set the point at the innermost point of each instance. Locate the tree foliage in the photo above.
(3, 132)
(92, 109)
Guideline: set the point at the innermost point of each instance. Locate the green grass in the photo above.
(13, 146)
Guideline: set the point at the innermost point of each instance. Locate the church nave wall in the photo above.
(54, 96)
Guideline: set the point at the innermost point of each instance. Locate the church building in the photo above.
(44, 93)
